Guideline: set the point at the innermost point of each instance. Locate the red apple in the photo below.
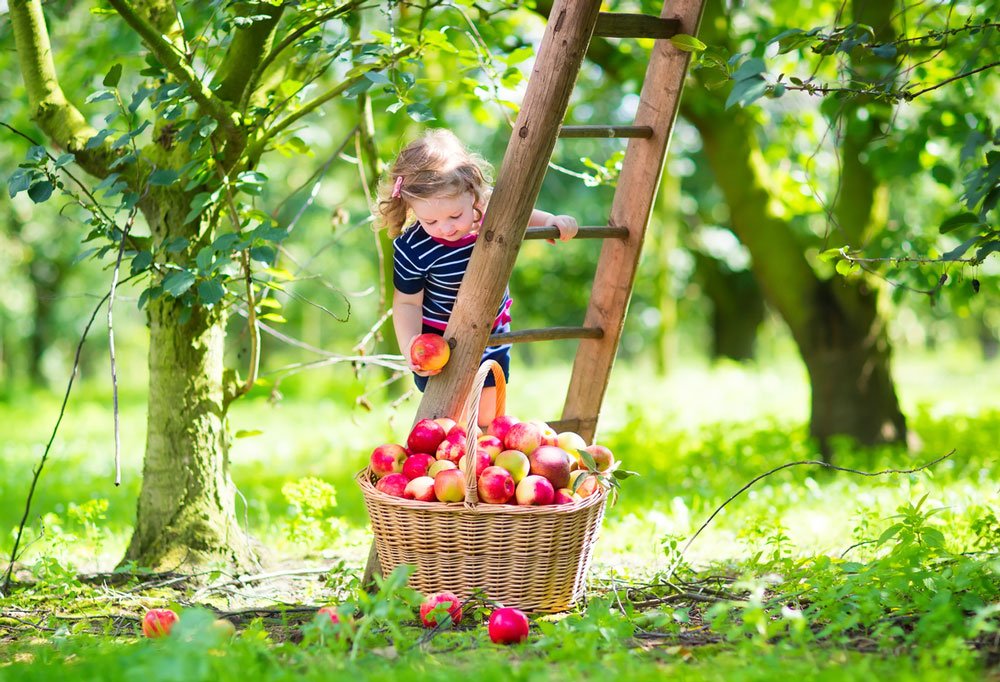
(523, 436)
(508, 626)
(565, 496)
(500, 426)
(446, 423)
(491, 444)
(588, 483)
(514, 461)
(331, 613)
(603, 459)
(496, 485)
(393, 484)
(440, 465)
(553, 463)
(158, 622)
(452, 447)
(416, 465)
(449, 485)
(549, 435)
(534, 490)
(387, 459)
(429, 617)
(420, 488)
(425, 437)
(482, 461)
(457, 432)
(429, 352)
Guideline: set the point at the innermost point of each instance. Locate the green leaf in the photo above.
(248, 433)
(163, 176)
(141, 261)
(957, 221)
(889, 533)
(745, 92)
(176, 283)
(378, 78)
(420, 112)
(176, 244)
(204, 258)
(64, 159)
(19, 181)
(884, 51)
(687, 43)
(274, 317)
(987, 249)
(844, 267)
(588, 459)
(40, 191)
(113, 76)
(210, 291)
(264, 254)
(751, 68)
(960, 250)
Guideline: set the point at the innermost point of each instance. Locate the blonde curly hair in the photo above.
(434, 165)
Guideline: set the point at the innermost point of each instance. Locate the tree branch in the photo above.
(246, 52)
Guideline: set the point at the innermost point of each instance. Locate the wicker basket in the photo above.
(532, 558)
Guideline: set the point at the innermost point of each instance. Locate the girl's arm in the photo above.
(565, 223)
(407, 320)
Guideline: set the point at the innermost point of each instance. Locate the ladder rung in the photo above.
(606, 232)
(575, 425)
(546, 334)
(644, 132)
(622, 25)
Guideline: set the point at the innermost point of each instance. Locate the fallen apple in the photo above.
(224, 627)
(158, 622)
(429, 352)
(436, 605)
(508, 626)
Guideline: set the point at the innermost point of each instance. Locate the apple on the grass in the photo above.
(553, 463)
(224, 627)
(603, 459)
(482, 461)
(500, 426)
(514, 461)
(393, 484)
(429, 352)
(158, 622)
(523, 436)
(496, 485)
(416, 465)
(420, 488)
(387, 459)
(508, 626)
(425, 436)
(452, 447)
(449, 485)
(440, 465)
(534, 490)
(492, 445)
(435, 606)
(331, 613)
(587, 486)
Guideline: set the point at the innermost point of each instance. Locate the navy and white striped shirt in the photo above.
(436, 267)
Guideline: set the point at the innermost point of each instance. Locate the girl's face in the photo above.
(448, 218)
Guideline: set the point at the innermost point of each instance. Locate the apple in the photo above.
(224, 627)
(416, 465)
(514, 461)
(496, 485)
(587, 487)
(603, 459)
(565, 496)
(393, 484)
(446, 423)
(534, 490)
(458, 432)
(425, 437)
(523, 436)
(508, 626)
(491, 444)
(452, 447)
(571, 442)
(549, 435)
(420, 488)
(429, 352)
(331, 613)
(500, 426)
(449, 485)
(387, 459)
(158, 622)
(430, 611)
(482, 461)
(440, 465)
(553, 463)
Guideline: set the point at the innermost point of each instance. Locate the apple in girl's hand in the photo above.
(393, 484)
(514, 461)
(425, 437)
(429, 352)
(420, 488)
(452, 447)
(440, 465)
(417, 464)
(482, 461)
(451, 603)
(500, 426)
(449, 485)
(496, 485)
(553, 463)
(534, 490)
(508, 626)
(387, 459)
(523, 436)
(158, 622)
(491, 444)
(602, 456)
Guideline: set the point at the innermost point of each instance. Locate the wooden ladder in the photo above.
(567, 36)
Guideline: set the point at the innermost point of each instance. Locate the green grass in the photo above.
(695, 438)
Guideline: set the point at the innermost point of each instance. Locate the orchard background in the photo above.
(828, 213)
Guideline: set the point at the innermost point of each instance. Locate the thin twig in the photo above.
(111, 347)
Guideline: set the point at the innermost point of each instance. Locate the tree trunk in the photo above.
(737, 308)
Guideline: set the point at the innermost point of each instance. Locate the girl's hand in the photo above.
(566, 224)
(408, 356)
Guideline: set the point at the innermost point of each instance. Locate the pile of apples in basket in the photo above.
(517, 462)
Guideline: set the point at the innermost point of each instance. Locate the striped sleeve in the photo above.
(407, 275)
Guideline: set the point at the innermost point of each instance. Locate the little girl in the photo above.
(446, 190)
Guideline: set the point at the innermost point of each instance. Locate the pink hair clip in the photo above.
(397, 188)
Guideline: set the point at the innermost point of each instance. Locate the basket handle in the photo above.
(471, 409)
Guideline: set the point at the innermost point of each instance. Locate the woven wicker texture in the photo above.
(532, 558)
